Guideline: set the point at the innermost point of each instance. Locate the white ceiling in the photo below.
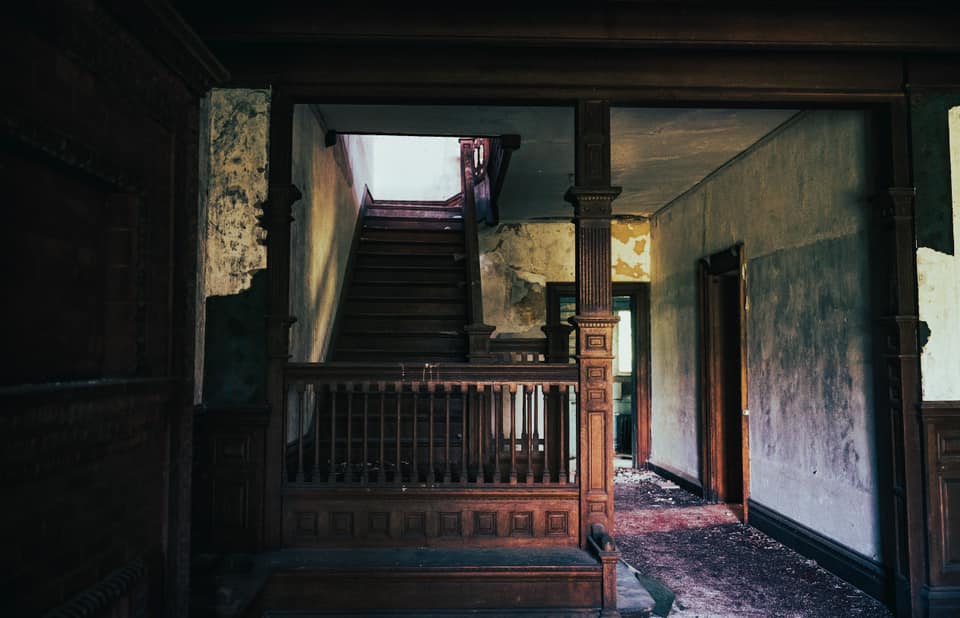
(656, 154)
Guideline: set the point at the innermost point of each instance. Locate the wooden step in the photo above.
(444, 237)
(373, 320)
(418, 307)
(412, 223)
(406, 290)
(448, 274)
(408, 248)
(495, 581)
(366, 259)
(447, 344)
(420, 212)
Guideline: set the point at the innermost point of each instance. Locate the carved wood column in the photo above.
(276, 220)
(898, 367)
(478, 333)
(592, 200)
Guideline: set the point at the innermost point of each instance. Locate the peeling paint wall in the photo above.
(239, 140)
(518, 259)
(234, 260)
(798, 202)
(331, 181)
(938, 277)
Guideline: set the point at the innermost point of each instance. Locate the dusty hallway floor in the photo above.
(716, 566)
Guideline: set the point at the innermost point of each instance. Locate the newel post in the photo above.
(592, 200)
(478, 333)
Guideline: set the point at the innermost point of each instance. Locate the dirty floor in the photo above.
(718, 567)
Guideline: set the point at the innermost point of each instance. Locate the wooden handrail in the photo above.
(408, 373)
(474, 291)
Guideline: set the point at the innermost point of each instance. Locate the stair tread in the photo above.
(547, 558)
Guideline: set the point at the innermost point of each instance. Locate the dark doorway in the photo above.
(631, 375)
(725, 448)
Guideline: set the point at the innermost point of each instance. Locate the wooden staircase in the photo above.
(406, 298)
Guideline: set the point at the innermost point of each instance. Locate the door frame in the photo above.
(711, 449)
(639, 293)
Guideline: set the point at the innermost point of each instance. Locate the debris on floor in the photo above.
(715, 565)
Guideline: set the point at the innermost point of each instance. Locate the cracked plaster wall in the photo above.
(938, 277)
(236, 126)
(798, 202)
(518, 259)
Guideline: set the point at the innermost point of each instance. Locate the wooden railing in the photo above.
(429, 425)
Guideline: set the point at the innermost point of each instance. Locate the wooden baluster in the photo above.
(317, 391)
(530, 396)
(464, 408)
(348, 472)
(301, 412)
(546, 435)
(562, 445)
(481, 473)
(446, 440)
(497, 412)
(513, 434)
(398, 471)
(382, 462)
(332, 472)
(415, 471)
(364, 477)
(431, 475)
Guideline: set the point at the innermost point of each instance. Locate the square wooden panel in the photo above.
(597, 395)
(949, 444)
(341, 524)
(521, 523)
(597, 373)
(596, 342)
(557, 523)
(379, 524)
(415, 524)
(231, 449)
(485, 523)
(306, 523)
(450, 524)
(230, 503)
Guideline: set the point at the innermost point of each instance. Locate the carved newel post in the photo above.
(592, 200)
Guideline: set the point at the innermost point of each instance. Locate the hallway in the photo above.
(718, 567)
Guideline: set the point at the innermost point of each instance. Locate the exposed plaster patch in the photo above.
(938, 282)
(517, 260)
(237, 188)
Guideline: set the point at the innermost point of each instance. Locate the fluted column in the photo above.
(592, 200)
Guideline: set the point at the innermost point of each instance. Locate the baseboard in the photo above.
(683, 481)
(868, 575)
(942, 601)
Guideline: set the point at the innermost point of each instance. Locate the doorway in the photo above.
(631, 363)
(725, 453)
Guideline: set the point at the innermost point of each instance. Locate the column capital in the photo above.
(592, 202)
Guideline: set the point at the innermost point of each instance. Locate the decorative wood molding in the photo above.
(858, 570)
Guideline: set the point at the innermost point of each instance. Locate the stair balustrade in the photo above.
(432, 425)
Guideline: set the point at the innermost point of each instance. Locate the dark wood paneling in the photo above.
(402, 516)
(228, 486)
(941, 423)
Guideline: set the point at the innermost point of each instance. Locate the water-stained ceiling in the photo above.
(656, 153)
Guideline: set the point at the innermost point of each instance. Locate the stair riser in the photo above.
(438, 237)
(424, 309)
(400, 324)
(405, 344)
(366, 260)
(407, 291)
(450, 277)
(390, 248)
(413, 224)
(425, 213)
